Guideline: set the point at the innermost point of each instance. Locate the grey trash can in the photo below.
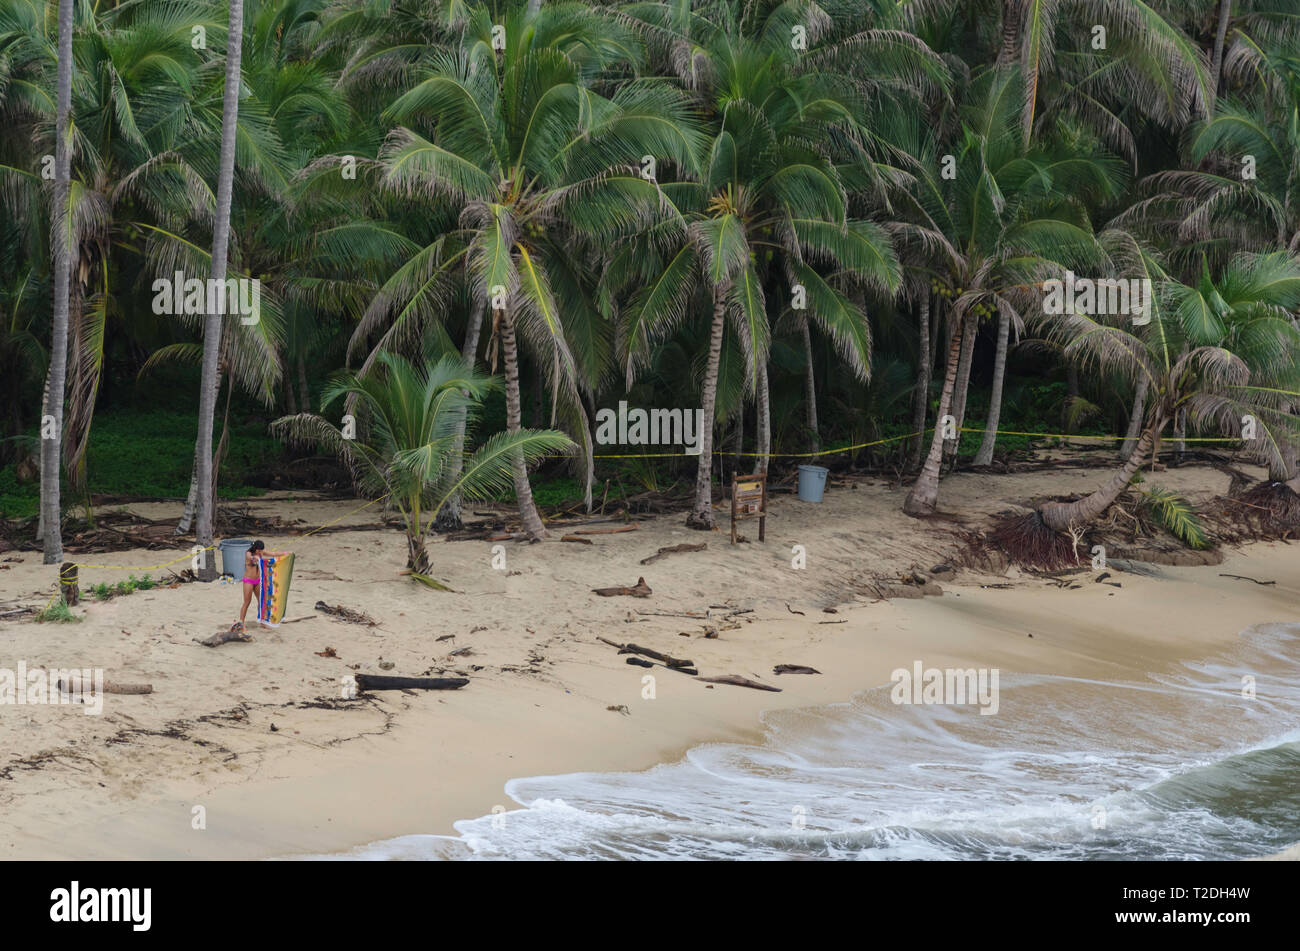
(232, 556)
(812, 483)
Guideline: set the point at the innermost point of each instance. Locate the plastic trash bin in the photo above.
(812, 483)
(232, 556)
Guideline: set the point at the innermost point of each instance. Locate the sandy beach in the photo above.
(257, 734)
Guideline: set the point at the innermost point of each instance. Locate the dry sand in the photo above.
(337, 774)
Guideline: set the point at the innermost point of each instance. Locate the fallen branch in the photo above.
(223, 637)
(673, 549)
(639, 590)
(370, 682)
(74, 685)
(794, 669)
(665, 659)
(345, 613)
(1245, 578)
(607, 531)
(426, 580)
(736, 681)
(576, 539)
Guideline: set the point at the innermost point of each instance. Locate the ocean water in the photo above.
(1180, 765)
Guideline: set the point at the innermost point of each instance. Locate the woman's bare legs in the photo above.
(248, 596)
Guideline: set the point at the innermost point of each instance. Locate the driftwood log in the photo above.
(639, 590)
(78, 685)
(736, 681)
(665, 659)
(371, 682)
(576, 539)
(607, 531)
(794, 669)
(224, 637)
(673, 549)
(345, 613)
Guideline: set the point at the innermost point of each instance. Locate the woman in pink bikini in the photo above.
(252, 577)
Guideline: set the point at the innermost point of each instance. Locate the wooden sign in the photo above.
(749, 500)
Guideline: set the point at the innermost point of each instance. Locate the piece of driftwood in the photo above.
(577, 540)
(372, 682)
(673, 549)
(639, 590)
(664, 659)
(607, 531)
(794, 669)
(223, 637)
(1245, 578)
(737, 681)
(17, 612)
(74, 685)
(345, 613)
(638, 662)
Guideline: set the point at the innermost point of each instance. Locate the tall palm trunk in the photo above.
(224, 441)
(56, 378)
(764, 413)
(303, 389)
(1062, 516)
(701, 516)
(1220, 37)
(1071, 396)
(1180, 436)
(528, 515)
(212, 322)
(810, 391)
(922, 398)
(1010, 49)
(1135, 417)
(963, 386)
(449, 519)
(924, 496)
(985, 455)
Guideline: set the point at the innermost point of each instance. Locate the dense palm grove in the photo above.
(824, 223)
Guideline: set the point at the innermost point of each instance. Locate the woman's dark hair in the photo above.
(258, 546)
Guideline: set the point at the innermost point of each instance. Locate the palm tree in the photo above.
(1220, 350)
(533, 163)
(1146, 62)
(407, 448)
(1000, 225)
(212, 324)
(768, 213)
(145, 129)
(61, 227)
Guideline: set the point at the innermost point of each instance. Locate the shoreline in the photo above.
(336, 776)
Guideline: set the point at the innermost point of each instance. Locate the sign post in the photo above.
(749, 499)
